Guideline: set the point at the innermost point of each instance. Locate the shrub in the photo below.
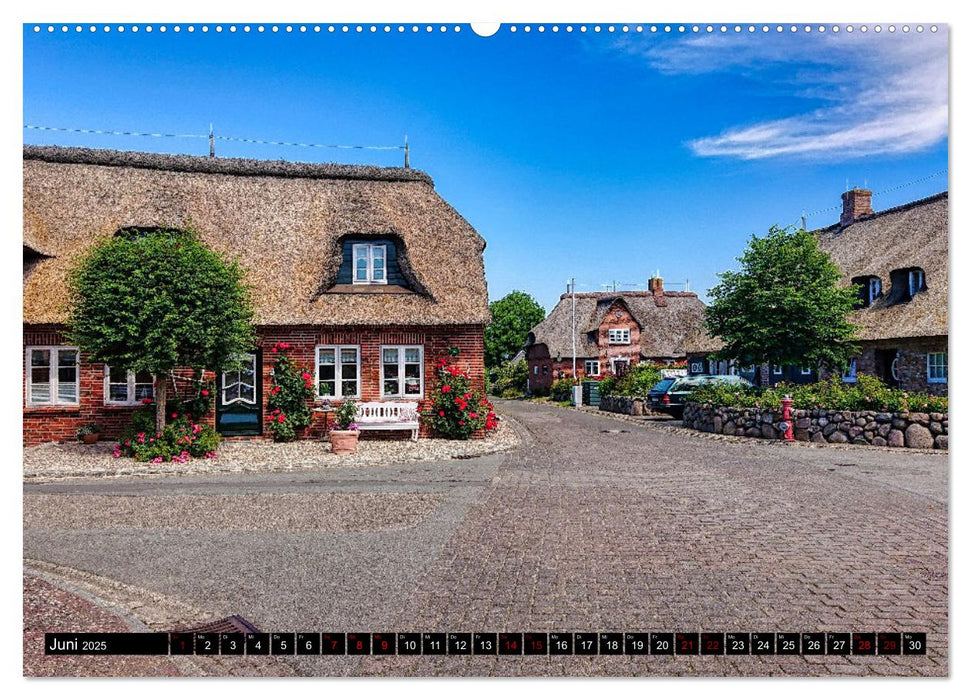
(178, 441)
(510, 377)
(288, 405)
(344, 416)
(562, 390)
(868, 393)
(457, 410)
(607, 385)
(639, 380)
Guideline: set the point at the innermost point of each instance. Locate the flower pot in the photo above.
(90, 438)
(343, 442)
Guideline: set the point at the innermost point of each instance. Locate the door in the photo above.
(885, 364)
(239, 398)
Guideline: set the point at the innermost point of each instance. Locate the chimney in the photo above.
(856, 204)
(655, 285)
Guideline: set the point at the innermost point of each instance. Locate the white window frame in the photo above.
(338, 372)
(615, 360)
(618, 336)
(131, 400)
(874, 289)
(915, 280)
(401, 371)
(535, 370)
(777, 370)
(806, 370)
(587, 364)
(52, 376)
(250, 358)
(367, 252)
(849, 374)
(943, 366)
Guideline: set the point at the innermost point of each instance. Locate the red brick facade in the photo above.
(59, 423)
(876, 359)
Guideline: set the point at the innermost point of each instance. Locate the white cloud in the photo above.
(879, 93)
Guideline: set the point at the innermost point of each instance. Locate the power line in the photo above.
(237, 139)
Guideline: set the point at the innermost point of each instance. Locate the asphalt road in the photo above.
(593, 524)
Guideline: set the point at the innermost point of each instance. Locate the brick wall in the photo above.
(48, 423)
(911, 365)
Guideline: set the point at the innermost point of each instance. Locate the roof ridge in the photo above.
(222, 166)
(892, 210)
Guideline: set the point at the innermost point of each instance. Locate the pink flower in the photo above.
(204, 392)
(116, 453)
(305, 375)
(446, 389)
(273, 349)
(473, 415)
(175, 415)
(157, 460)
(461, 422)
(441, 413)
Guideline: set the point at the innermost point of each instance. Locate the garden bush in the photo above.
(178, 441)
(868, 393)
(562, 390)
(639, 380)
(510, 381)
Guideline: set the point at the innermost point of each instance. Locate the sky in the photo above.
(601, 156)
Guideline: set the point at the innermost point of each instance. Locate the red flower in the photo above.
(473, 415)
(446, 388)
(284, 346)
(305, 375)
(282, 417)
(461, 422)
(441, 413)
(175, 415)
(273, 349)
(204, 392)
(146, 401)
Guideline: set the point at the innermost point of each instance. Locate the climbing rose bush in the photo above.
(458, 410)
(288, 405)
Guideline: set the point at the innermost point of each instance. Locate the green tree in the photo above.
(512, 318)
(158, 300)
(784, 306)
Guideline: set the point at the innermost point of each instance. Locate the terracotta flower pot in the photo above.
(343, 442)
(90, 438)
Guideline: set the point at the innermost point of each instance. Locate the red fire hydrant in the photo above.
(786, 425)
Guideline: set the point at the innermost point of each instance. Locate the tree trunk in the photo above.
(160, 392)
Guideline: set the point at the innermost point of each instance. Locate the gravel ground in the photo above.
(279, 512)
(75, 460)
(49, 609)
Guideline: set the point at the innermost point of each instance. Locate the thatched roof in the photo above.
(664, 322)
(911, 235)
(699, 342)
(282, 221)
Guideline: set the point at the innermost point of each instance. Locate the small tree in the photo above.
(784, 306)
(158, 300)
(512, 318)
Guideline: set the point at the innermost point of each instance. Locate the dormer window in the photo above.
(618, 336)
(915, 281)
(871, 288)
(370, 263)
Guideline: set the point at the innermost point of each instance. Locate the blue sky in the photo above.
(600, 156)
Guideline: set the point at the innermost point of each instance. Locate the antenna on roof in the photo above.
(212, 143)
(406, 151)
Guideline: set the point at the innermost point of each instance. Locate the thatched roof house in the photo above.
(366, 273)
(885, 245)
(612, 328)
(284, 222)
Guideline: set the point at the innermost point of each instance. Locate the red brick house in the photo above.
(899, 259)
(614, 331)
(366, 272)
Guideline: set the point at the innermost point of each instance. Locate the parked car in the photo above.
(654, 396)
(673, 400)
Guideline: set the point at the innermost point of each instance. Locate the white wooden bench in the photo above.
(388, 415)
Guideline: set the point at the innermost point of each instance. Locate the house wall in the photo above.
(46, 424)
(911, 366)
(618, 316)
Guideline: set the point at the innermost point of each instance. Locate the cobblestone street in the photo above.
(592, 524)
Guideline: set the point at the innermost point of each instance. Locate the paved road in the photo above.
(585, 528)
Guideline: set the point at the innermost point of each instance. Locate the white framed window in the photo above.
(127, 388)
(619, 365)
(536, 370)
(53, 373)
(402, 371)
(805, 370)
(697, 368)
(916, 281)
(937, 368)
(239, 385)
(874, 288)
(849, 373)
(591, 368)
(338, 372)
(369, 263)
(618, 336)
(777, 370)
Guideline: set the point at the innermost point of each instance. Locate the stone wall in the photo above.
(906, 429)
(629, 405)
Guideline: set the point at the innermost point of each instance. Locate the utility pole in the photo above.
(406, 152)
(212, 143)
(573, 337)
